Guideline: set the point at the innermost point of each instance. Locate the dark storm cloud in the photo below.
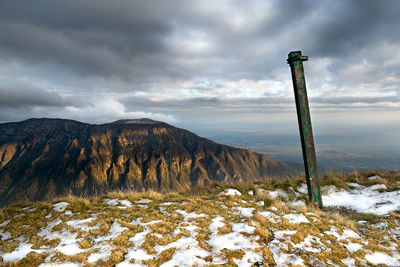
(85, 37)
(132, 39)
(165, 50)
(346, 27)
(18, 94)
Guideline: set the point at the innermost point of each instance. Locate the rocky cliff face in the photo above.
(45, 158)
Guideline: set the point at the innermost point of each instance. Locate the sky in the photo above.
(201, 64)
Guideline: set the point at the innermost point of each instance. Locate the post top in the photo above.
(295, 56)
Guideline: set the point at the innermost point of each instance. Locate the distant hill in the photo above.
(45, 158)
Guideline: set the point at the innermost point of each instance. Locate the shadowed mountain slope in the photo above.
(45, 158)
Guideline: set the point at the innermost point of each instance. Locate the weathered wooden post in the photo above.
(295, 60)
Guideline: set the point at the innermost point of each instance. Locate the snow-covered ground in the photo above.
(231, 228)
(364, 199)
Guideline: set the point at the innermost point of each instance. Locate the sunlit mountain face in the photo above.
(48, 158)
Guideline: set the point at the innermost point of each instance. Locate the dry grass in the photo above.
(9, 246)
(117, 255)
(264, 234)
(32, 259)
(232, 254)
(134, 196)
(226, 229)
(164, 256)
(27, 222)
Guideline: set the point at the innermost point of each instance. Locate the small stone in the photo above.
(381, 225)
(316, 262)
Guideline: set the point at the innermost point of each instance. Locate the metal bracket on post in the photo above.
(295, 60)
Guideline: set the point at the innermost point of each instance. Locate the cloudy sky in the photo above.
(202, 63)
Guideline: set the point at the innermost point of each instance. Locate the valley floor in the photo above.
(262, 224)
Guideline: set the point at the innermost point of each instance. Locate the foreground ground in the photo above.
(263, 224)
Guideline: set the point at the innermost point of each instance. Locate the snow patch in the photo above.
(143, 201)
(349, 261)
(69, 248)
(353, 247)
(272, 217)
(276, 246)
(103, 245)
(311, 244)
(20, 252)
(365, 199)
(168, 203)
(243, 228)
(296, 218)
(82, 224)
(278, 193)
(59, 265)
(111, 202)
(233, 241)
(60, 206)
(302, 189)
(126, 203)
(346, 233)
(187, 256)
(281, 234)
(245, 212)
(216, 223)
(5, 223)
(136, 252)
(45, 231)
(230, 192)
(114, 202)
(29, 209)
(382, 258)
(297, 203)
(115, 230)
(374, 177)
(4, 235)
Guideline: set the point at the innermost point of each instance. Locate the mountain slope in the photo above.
(46, 158)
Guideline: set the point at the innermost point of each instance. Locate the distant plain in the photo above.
(359, 149)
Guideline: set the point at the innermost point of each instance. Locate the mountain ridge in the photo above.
(46, 158)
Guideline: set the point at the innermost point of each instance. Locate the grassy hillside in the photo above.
(263, 224)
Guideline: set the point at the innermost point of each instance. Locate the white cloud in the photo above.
(106, 109)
